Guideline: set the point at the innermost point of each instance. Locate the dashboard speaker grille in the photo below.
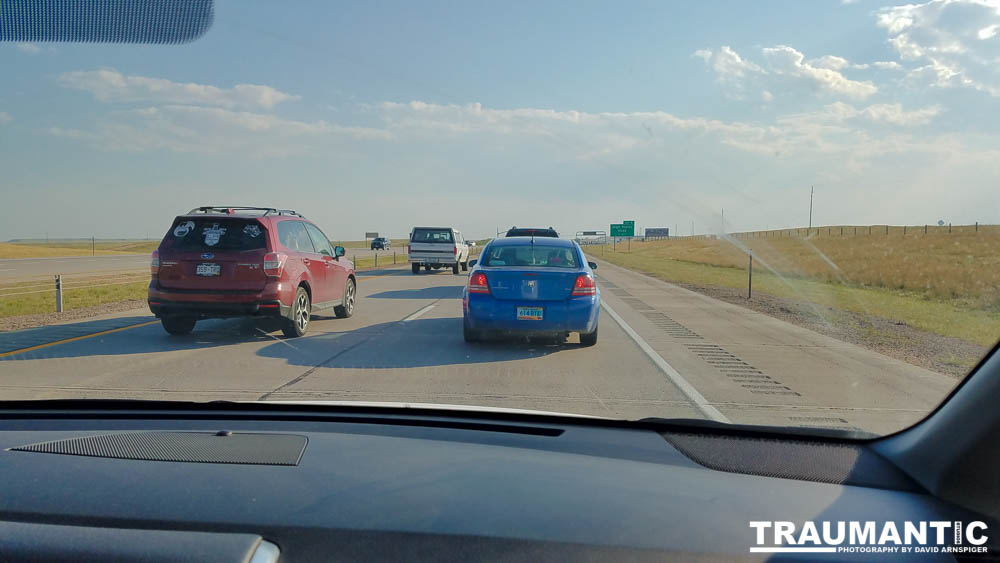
(193, 447)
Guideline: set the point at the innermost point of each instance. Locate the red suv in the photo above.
(248, 261)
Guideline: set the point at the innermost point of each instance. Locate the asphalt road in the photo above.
(663, 351)
(21, 268)
(37, 267)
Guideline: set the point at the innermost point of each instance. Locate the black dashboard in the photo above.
(309, 485)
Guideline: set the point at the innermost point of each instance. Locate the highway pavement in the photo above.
(663, 351)
(19, 268)
(13, 269)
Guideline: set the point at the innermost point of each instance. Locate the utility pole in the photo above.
(811, 189)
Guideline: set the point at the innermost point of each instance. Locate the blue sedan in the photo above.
(531, 286)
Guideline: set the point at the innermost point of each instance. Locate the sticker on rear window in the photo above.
(213, 234)
(181, 230)
(252, 230)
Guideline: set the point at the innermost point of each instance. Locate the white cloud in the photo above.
(109, 85)
(785, 66)
(887, 65)
(831, 62)
(838, 128)
(5, 118)
(954, 42)
(787, 60)
(210, 130)
(28, 48)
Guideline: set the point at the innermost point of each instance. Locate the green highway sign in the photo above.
(623, 230)
(629, 224)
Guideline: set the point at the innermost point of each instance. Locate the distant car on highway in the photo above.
(381, 243)
(248, 261)
(531, 286)
(532, 232)
(436, 248)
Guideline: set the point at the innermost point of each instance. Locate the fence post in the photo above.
(393, 257)
(354, 258)
(887, 230)
(376, 259)
(93, 246)
(904, 230)
(59, 303)
(869, 229)
(949, 228)
(855, 231)
(750, 277)
(842, 231)
(925, 229)
(977, 226)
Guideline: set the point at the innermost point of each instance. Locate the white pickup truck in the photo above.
(437, 247)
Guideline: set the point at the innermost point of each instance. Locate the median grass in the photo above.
(44, 302)
(948, 284)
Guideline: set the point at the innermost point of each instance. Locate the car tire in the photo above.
(455, 268)
(465, 265)
(350, 296)
(301, 311)
(178, 325)
(471, 335)
(588, 338)
(427, 268)
(415, 268)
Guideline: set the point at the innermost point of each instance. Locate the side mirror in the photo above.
(473, 263)
(593, 265)
(339, 251)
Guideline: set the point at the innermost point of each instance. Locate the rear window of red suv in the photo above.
(217, 233)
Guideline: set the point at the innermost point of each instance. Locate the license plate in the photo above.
(529, 313)
(208, 269)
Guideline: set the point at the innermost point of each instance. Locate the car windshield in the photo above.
(760, 213)
(535, 255)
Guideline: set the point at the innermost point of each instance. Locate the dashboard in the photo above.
(371, 484)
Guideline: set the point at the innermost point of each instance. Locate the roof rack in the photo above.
(231, 210)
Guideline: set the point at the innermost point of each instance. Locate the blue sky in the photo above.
(383, 115)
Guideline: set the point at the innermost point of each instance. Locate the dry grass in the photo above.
(32, 297)
(944, 283)
(74, 248)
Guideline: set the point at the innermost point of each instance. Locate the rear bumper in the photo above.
(207, 305)
(577, 314)
(444, 259)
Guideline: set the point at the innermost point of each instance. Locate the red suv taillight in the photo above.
(274, 263)
(454, 250)
(478, 283)
(584, 285)
(154, 264)
(408, 247)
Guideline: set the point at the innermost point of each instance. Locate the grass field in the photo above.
(55, 249)
(948, 284)
(38, 296)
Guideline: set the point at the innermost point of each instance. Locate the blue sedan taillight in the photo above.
(478, 283)
(584, 285)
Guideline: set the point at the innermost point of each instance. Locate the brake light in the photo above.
(454, 250)
(584, 285)
(478, 283)
(154, 264)
(274, 263)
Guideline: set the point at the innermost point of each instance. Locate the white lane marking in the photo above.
(418, 313)
(8, 269)
(675, 377)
